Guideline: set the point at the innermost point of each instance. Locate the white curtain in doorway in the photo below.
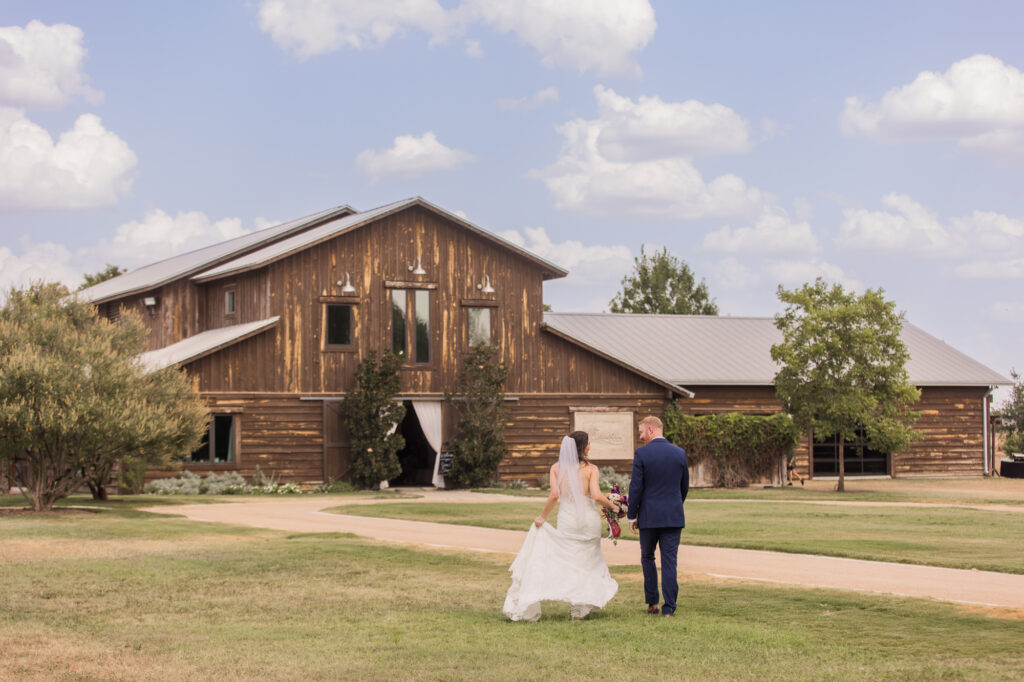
(429, 414)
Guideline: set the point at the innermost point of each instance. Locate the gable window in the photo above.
(229, 302)
(478, 326)
(218, 445)
(410, 324)
(338, 325)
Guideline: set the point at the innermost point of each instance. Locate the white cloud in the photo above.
(594, 264)
(729, 274)
(158, 235)
(87, 166)
(650, 128)
(584, 35)
(313, 27)
(1012, 268)
(991, 230)
(410, 157)
(611, 164)
(599, 35)
(41, 66)
(979, 101)
(907, 227)
(533, 101)
(773, 231)
(473, 49)
(794, 273)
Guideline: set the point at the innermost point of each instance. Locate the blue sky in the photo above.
(877, 144)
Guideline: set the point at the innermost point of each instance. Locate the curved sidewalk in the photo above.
(983, 588)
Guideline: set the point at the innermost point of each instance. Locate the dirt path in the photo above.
(982, 588)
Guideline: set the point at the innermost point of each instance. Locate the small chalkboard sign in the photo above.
(445, 465)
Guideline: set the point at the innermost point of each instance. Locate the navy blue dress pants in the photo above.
(668, 540)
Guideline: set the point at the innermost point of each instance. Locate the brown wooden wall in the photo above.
(951, 422)
(178, 314)
(537, 424)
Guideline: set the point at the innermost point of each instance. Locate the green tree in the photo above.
(109, 272)
(842, 367)
(373, 416)
(74, 399)
(1012, 416)
(479, 446)
(662, 283)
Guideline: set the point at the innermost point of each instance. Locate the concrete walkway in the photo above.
(982, 588)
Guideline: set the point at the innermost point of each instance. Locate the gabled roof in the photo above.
(322, 233)
(702, 350)
(202, 344)
(148, 277)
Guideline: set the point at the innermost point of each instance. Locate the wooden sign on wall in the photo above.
(611, 433)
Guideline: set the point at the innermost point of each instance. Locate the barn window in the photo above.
(410, 324)
(858, 458)
(339, 325)
(229, 302)
(218, 445)
(478, 326)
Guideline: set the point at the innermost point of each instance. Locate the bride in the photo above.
(564, 564)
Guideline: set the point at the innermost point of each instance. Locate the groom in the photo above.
(656, 494)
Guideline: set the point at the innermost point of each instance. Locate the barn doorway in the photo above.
(417, 457)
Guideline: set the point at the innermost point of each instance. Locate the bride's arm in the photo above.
(595, 491)
(552, 497)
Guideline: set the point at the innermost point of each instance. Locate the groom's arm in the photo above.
(636, 490)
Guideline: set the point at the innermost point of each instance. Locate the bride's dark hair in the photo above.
(582, 439)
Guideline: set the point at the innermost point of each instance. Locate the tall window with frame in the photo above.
(411, 324)
(338, 326)
(218, 445)
(478, 326)
(229, 302)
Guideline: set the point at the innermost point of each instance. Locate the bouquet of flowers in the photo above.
(616, 496)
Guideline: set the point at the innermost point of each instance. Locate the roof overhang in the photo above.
(202, 344)
(674, 388)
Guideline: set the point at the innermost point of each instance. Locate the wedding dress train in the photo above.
(563, 564)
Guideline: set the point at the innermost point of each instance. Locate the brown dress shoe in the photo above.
(653, 608)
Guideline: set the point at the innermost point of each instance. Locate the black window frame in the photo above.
(405, 306)
(215, 433)
(328, 307)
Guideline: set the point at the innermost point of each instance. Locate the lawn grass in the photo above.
(952, 537)
(234, 603)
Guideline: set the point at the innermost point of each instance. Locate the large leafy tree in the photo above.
(74, 399)
(372, 415)
(479, 446)
(662, 283)
(109, 272)
(842, 367)
(1012, 415)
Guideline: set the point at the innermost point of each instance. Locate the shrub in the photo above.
(370, 414)
(738, 447)
(228, 483)
(610, 477)
(479, 445)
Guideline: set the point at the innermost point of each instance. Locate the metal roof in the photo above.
(322, 233)
(203, 343)
(156, 274)
(700, 350)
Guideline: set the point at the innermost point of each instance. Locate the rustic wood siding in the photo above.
(537, 424)
(952, 425)
(177, 316)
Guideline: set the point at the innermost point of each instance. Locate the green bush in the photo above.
(371, 412)
(738, 447)
(228, 483)
(479, 444)
(610, 477)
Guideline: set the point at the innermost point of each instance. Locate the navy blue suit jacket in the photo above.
(659, 485)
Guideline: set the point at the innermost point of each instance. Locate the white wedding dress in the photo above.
(563, 564)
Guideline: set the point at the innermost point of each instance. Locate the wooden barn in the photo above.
(272, 325)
